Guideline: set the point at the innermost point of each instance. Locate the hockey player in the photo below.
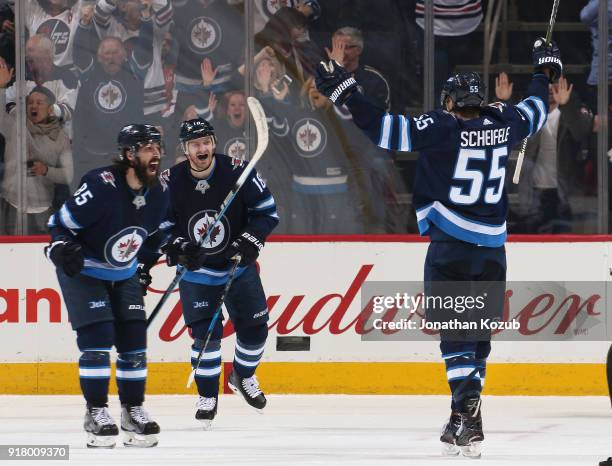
(197, 186)
(459, 198)
(97, 239)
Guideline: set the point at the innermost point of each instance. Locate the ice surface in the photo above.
(325, 430)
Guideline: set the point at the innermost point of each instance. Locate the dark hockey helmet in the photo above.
(195, 129)
(464, 89)
(131, 137)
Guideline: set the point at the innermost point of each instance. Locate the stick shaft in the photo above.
(521, 156)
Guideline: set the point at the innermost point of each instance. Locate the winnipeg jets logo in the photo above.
(272, 6)
(108, 178)
(201, 225)
(487, 122)
(110, 97)
(309, 137)
(122, 248)
(205, 34)
(236, 148)
(202, 186)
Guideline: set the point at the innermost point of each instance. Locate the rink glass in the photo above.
(373, 190)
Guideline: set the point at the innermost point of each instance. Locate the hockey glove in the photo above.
(66, 255)
(335, 82)
(547, 56)
(183, 252)
(144, 276)
(248, 245)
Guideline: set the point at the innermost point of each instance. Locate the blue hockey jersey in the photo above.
(194, 203)
(111, 228)
(461, 168)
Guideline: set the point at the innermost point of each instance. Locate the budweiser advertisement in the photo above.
(324, 292)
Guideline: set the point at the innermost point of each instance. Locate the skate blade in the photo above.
(471, 451)
(237, 392)
(449, 449)
(100, 441)
(132, 439)
(206, 423)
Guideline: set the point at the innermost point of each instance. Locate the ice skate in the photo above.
(469, 435)
(449, 433)
(206, 411)
(139, 429)
(249, 389)
(100, 427)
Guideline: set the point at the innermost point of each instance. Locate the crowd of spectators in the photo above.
(93, 66)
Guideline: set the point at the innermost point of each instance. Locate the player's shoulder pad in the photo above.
(101, 178)
(439, 116)
(233, 164)
(499, 106)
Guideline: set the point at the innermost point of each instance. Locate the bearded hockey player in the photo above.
(197, 187)
(97, 239)
(460, 200)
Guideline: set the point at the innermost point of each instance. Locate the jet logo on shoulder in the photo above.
(237, 162)
(108, 178)
(487, 122)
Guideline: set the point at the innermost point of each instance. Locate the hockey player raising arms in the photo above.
(198, 186)
(97, 237)
(459, 197)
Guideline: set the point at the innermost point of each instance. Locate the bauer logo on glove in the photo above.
(335, 82)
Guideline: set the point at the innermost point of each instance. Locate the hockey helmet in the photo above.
(131, 137)
(195, 129)
(464, 89)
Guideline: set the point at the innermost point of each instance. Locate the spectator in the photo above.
(42, 71)
(373, 83)
(58, 20)
(123, 19)
(211, 36)
(551, 160)
(324, 197)
(589, 16)
(377, 169)
(7, 32)
(49, 160)
(110, 93)
(455, 38)
(264, 9)
(287, 34)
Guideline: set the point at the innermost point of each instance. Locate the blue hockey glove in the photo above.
(248, 245)
(335, 82)
(547, 56)
(66, 255)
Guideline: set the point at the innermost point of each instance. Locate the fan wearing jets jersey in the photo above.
(98, 239)
(460, 203)
(198, 186)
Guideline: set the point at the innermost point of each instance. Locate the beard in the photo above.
(148, 178)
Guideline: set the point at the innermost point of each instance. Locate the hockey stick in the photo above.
(609, 371)
(228, 285)
(261, 124)
(521, 156)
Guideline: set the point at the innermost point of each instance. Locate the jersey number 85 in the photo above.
(497, 172)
